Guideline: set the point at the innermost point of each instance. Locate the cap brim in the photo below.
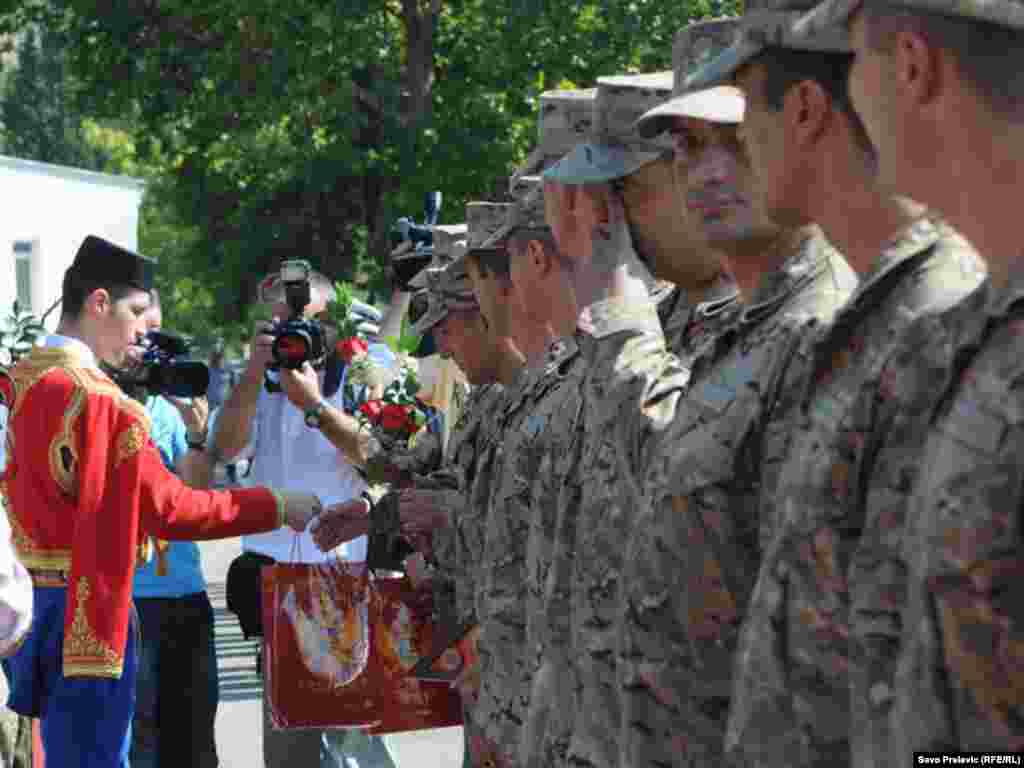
(420, 279)
(436, 312)
(721, 104)
(826, 19)
(592, 163)
(721, 69)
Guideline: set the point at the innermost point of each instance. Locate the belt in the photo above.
(48, 578)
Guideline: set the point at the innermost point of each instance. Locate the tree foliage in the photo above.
(40, 121)
(301, 129)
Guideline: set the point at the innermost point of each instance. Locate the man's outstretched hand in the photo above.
(300, 509)
(341, 523)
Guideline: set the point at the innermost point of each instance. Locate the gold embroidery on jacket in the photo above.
(84, 653)
(129, 443)
(63, 454)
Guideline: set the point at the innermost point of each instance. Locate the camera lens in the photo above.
(291, 350)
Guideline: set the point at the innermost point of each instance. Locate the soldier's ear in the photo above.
(537, 254)
(808, 109)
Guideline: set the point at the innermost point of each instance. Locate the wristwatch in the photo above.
(197, 442)
(314, 415)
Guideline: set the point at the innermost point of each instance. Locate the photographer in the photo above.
(300, 437)
(177, 689)
(87, 492)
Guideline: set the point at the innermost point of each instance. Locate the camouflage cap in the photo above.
(770, 24)
(565, 118)
(484, 220)
(527, 213)
(833, 15)
(435, 312)
(521, 186)
(617, 150)
(448, 289)
(445, 238)
(694, 46)
(622, 99)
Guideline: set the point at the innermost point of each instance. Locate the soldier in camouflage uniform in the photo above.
(646, 440)
(439, 506)
(937, 574)
(539, 424)
(501, 641)
(796, 655)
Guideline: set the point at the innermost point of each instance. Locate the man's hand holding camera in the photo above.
(301, 386)
(195, 413)
(261, 349)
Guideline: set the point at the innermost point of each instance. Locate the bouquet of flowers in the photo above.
(351, 345)
(405, 440)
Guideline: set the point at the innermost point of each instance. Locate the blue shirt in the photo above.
(184, 571)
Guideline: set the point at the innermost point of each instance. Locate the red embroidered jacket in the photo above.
(86, 491)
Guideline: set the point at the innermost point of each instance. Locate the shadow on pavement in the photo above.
(236, 656)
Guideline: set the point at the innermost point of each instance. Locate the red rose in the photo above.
(351, 348)
(372, 409)
(394, 417)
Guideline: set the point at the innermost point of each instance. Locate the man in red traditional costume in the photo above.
(87, 492)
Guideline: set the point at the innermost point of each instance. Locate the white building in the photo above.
(47, 211)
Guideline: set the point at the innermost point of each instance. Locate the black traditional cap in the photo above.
(101, 261)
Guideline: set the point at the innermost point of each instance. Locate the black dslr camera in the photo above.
(297, 340)
(165, 369)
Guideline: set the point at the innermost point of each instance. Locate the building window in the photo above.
(23, 250)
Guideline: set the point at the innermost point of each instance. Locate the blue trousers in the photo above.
(85, 722)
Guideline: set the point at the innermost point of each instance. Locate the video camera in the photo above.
(297, 340)
(420, 238)
(165, 368)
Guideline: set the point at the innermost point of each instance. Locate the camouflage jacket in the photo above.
(499, 578)
(790, 703)
(637, 405)
(557, 493)
(534, 484)
(939, 568)
(688, 554)
(456, 548)
(682, 321)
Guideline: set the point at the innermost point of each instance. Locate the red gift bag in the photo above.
(338, 649)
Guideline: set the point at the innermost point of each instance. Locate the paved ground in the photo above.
(239, 717)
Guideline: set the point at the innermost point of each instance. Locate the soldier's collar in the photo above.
(806, 262)
(916, 237)
(724, 295)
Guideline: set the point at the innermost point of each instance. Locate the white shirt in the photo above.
(287, 455)
(79, 347)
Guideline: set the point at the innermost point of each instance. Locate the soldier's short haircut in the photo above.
(785, 67)
(519, 240)
(492, 261)
(989, 56)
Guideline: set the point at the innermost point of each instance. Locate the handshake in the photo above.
(300, 509)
